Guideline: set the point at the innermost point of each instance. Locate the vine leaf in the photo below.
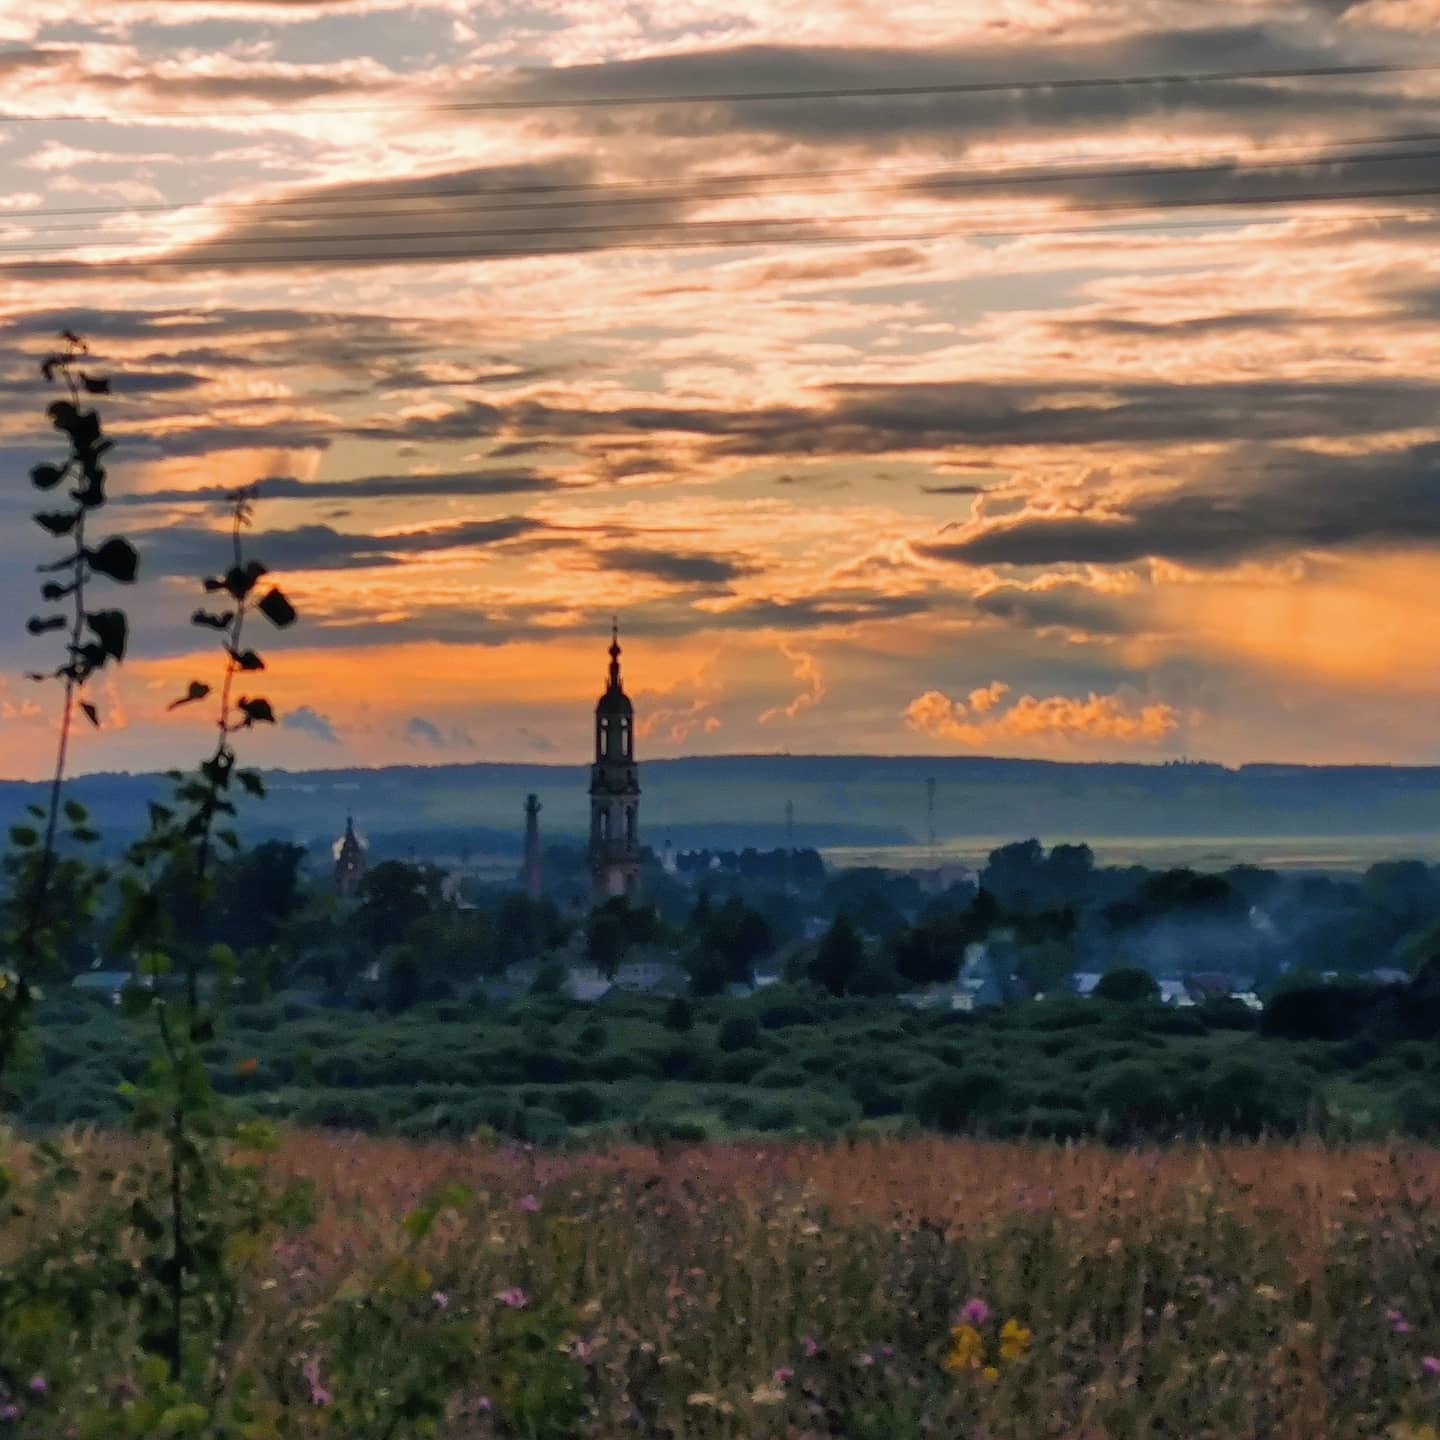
(92, 493)
(212, 621)
(91, 713)
(197, 690)
(277, 609)
(240, 579)
(39, 625)
(46, 477)
(111, 630)
(245, 660)
(115, 558)
(256, 712)
(54, 590)
(95, 384)
(57, 522)
(251, 782)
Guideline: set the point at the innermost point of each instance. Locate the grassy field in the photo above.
(885, 1289)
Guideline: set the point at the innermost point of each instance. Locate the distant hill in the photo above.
(839, 800)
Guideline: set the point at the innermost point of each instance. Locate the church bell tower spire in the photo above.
(614, 789)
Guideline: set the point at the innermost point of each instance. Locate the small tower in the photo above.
(614, 790)
(349, 853)
(534, 879)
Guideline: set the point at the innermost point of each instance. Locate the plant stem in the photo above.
(177, 1205)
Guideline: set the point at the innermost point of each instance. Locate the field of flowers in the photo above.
(889, 1289)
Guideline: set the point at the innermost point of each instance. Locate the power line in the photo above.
(1190, 202)
(701, 189)
(188, 261)
(720, 97)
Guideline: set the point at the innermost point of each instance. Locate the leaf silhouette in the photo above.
(212, 621)
(117, 559)
(251, 782)
(95, 384)
(246, 660)
(37, 625)
(240, 579)
(277, 610)
(111, 630)
(46, 477)
(256, 711)
(57, 522)
(53, 590)
(91, 713)
(92, 493)
(197, 690)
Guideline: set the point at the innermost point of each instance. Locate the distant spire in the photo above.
(614, 652)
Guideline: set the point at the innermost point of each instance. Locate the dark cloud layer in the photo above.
(1260, 503)
(676, 567)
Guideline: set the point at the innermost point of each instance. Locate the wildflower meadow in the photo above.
(892, 1288)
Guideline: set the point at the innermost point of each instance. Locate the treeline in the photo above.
(791, 1060)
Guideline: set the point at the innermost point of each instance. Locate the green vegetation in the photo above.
(792, 1060)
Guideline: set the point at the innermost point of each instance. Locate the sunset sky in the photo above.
(1085, 421)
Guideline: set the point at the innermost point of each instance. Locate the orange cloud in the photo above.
(1057, 717)
(807, 672)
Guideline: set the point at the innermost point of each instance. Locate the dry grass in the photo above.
(806, 1291)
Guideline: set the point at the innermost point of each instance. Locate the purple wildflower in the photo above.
(440, 1299)
(514, 1297)
(38, 1385)
(974, 1312)
(1398, 1323)
(483, 1405)
(1430, 1364)
(810, 1346)
(888, 1351)
(784, 1375)
(319, 1395)
(10, 1412)
(529, 1204)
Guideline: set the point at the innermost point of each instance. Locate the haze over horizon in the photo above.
(1082, 422)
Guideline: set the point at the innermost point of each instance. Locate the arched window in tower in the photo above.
(604, 827)
(631, 835)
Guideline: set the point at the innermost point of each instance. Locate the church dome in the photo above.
(614, 702)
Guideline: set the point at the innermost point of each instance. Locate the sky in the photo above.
(985, 411)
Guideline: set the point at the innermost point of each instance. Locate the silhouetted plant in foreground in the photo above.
(192, 1214)
(48, 893)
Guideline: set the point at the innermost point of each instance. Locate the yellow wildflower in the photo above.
(967, 1350)
(1014, 1340)
(991, 1373)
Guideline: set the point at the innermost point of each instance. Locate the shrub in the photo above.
(783, 1013)
(580, 1104)
(961, 1099)
(739, 1032)
(741, 1067)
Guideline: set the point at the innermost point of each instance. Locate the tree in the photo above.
(1128, 984)
(605, 938)
(839, 957)
(393, 896)
(259, 891)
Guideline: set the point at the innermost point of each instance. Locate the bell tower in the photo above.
(614, 791)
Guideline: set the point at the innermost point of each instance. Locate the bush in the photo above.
(739, 1032)
(580, 1104)
(741, 1067)
(1136, 1098)
(1320, 1012)
(783, 1013)
(961, 1099)
(1127, 984)
(1246, 1098)
(1418, 1107)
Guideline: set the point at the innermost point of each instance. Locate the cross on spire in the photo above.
(614, 652)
